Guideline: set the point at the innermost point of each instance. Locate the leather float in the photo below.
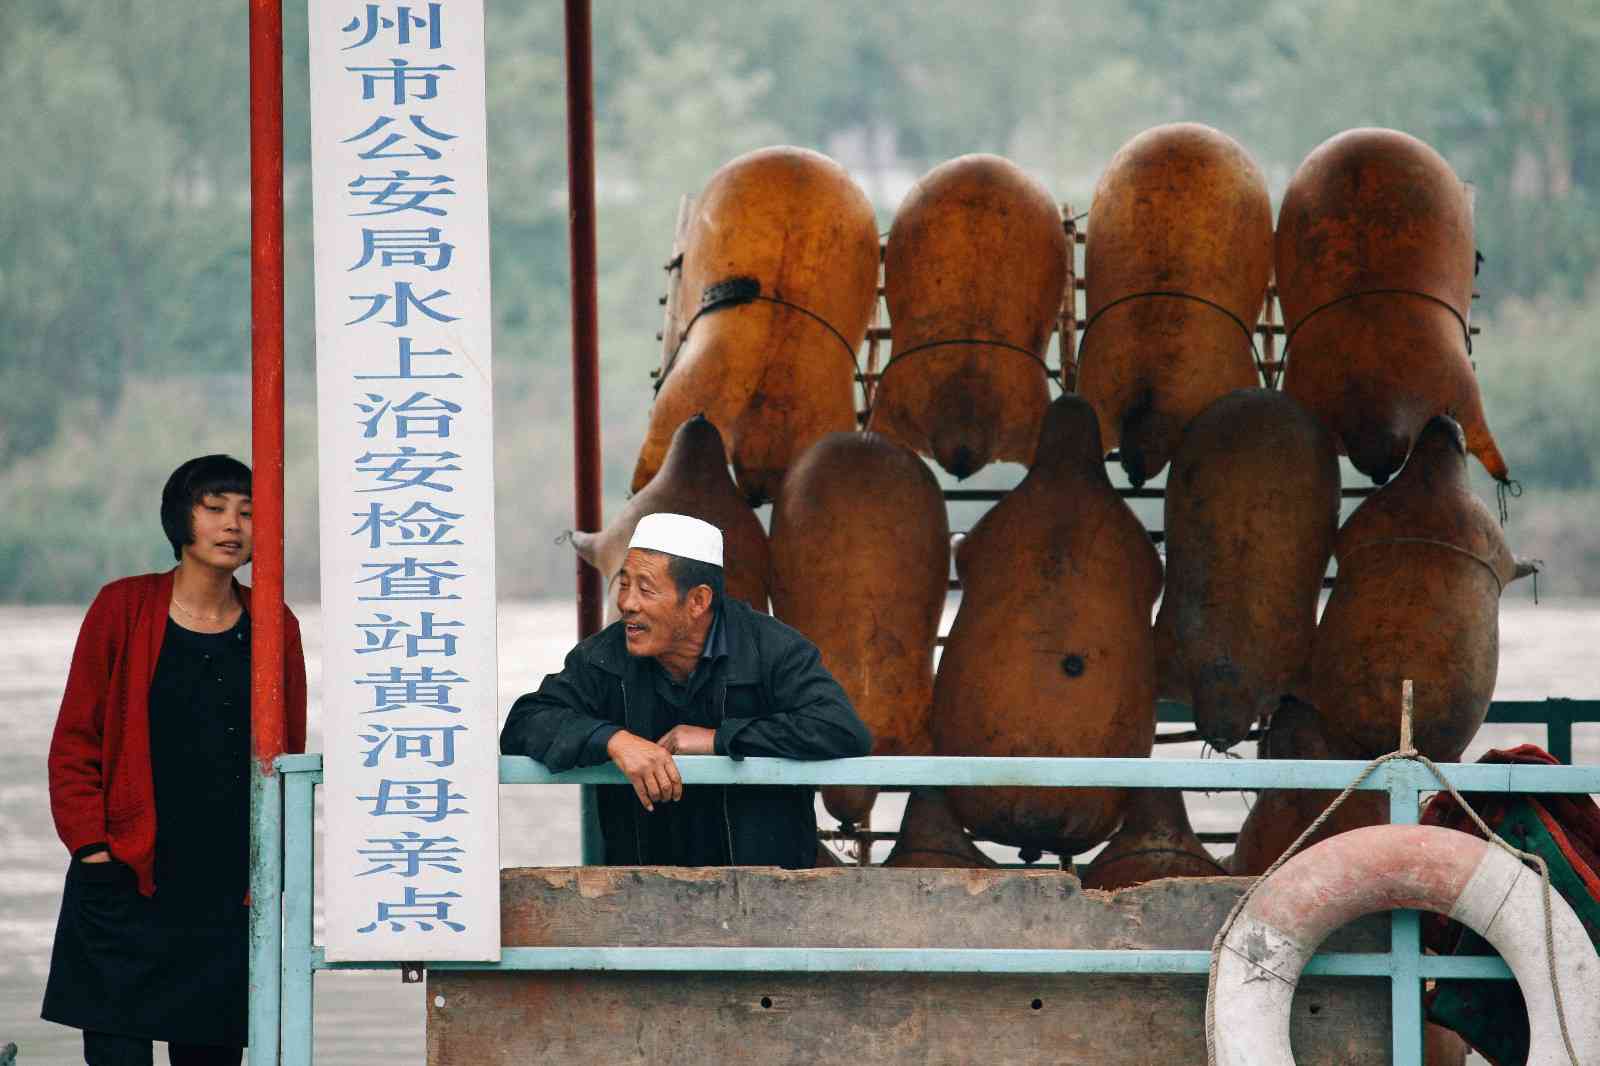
(1176, 263)
(1155, 841)
(1252, 506)
(1375, 261)
(1280, 815)
(861, 565)
(932, 838)
(1051, 650)
(779, 283)
(1422, 564)
(974, 270)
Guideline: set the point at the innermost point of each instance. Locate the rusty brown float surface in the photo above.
(1375, 261)
(1171, 304)
(1155, 841)
(773, 376)
(1252, 506)
(1280, 815)
(930, 836)
(1051, 651)
(974, 270)
(860, 565)
(1421, 567)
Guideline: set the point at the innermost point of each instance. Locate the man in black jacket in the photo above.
(687, 671)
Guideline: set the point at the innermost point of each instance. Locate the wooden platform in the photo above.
(707, 1019)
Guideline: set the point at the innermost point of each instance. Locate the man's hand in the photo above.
(690, 740)
(97, 856)
(648, 766)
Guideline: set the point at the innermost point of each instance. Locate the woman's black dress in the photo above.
(173, 966)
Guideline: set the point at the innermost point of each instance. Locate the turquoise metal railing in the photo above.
(281, 1011)
(1557, 715)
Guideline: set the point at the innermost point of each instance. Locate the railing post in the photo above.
(266, 930)
(298, 846)
(1405, 932)
(1558, 729)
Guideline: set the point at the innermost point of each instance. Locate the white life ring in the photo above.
(1386, 867)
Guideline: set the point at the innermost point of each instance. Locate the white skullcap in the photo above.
(679, 534)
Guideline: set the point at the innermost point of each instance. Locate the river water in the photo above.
(367, 1019)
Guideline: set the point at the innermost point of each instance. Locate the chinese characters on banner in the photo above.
(400, 192)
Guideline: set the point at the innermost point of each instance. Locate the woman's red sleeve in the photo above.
(294, 688)
(77, 780)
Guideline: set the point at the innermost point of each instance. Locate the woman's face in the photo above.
(222, 531)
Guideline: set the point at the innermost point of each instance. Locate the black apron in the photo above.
(173, 966)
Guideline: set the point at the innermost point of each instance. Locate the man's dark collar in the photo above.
(716, 644)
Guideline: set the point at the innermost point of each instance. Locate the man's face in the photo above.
(647, 597)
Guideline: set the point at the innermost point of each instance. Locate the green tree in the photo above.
(125, 203)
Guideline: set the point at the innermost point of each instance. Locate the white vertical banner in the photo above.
(405, 430)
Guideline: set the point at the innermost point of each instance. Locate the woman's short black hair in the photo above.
(208, 475)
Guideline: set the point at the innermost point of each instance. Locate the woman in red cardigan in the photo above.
(149, 787)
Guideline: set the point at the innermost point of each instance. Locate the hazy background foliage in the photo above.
(124, 312)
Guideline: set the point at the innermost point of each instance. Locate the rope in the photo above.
(738, 291)
(1288, 340)
(1480, 560)
(916, 348)
(1510, 488)
(1249, 336)
(1536, 861)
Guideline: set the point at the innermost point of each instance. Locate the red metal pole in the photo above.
(585, 308)
(266, 371)
(585, 349)
(266, 446)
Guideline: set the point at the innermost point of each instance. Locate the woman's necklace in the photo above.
(196, 615)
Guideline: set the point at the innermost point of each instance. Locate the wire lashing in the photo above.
(1500, 586)
(1509, 488)
(1288, 339)
(973, 341)
(737, 291)
(1175, 294)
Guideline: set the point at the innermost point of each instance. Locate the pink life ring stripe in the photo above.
(1358, 873)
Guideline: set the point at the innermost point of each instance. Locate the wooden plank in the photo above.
(493, 1019)
(762, 907)
(672, 318)
(489, 1018)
